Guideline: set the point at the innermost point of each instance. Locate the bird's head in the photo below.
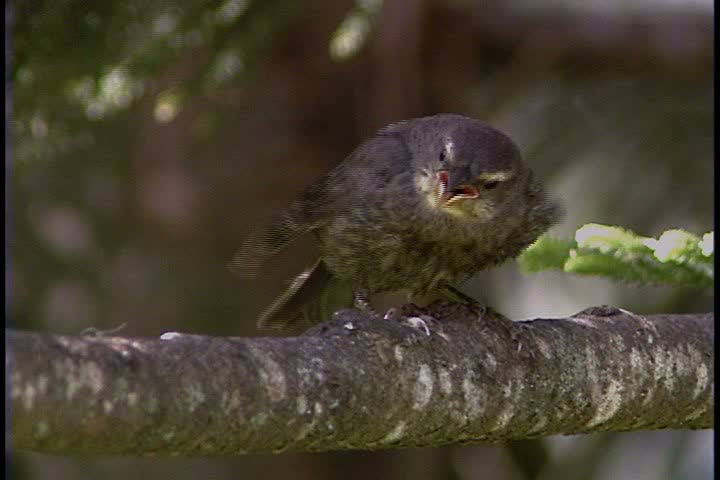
(466, 168)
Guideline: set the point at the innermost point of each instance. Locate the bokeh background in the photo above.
(148, 138)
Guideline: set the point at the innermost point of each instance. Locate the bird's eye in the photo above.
(442, 156)
(490, 185)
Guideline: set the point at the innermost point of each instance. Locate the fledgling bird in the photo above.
(422, 205)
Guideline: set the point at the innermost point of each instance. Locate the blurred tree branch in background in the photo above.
(361, 383)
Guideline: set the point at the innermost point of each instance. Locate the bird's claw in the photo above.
(477, 308)
(412, 310)
(410, 314)
(392, 314)
(418, 323)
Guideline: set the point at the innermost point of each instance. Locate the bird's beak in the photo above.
(450, 190)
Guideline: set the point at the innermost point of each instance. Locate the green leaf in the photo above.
(677, 257)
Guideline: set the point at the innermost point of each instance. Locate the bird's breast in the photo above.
(404, 250)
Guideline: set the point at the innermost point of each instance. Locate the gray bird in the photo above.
(421, 206)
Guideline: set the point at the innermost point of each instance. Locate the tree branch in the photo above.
(360, 383)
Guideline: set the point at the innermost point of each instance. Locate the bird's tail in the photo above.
(311, 298)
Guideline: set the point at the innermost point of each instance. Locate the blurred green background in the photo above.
(148, 138)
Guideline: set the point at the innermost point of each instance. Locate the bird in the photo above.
(420, 207)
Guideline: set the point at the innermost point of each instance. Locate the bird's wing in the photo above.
(315, 293)
(321, 201)
(309, 299)
(304, 214)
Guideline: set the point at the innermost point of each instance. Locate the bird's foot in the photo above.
(361, 302)
(476, 308)
(96, 332)
(411, 315)
(455, 295)
(418, 324)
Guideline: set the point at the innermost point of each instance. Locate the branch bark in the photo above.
(356, 382)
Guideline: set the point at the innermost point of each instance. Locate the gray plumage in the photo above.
(422, 204)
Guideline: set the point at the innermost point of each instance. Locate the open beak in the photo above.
(446, 195)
